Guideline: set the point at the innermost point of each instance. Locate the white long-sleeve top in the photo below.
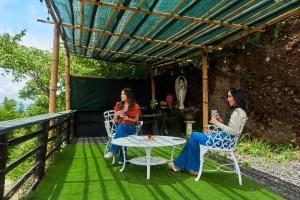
(236, 122)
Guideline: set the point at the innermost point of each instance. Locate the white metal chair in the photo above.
(217, 143)
(110, 127)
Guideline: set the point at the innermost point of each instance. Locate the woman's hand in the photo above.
(220, 119)
(117, 113)
(214, 121)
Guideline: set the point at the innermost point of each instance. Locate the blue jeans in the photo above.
(188, 159)
(122, 130)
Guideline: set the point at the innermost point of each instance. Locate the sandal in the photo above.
(175, 169)
(195, 173)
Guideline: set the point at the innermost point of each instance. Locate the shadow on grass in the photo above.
(99, 179)
(51, 189)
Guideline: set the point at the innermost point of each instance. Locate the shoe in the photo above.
(175, 169)
(193, 172)
(109, 155)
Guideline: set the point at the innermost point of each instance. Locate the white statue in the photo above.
(181, 88)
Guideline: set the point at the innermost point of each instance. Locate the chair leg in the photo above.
(113, 160)
(236, 166)
(201, 157)
(107, 144)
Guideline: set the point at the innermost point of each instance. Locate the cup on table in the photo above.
(214, 114)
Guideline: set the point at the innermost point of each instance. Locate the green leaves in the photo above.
(35, 64)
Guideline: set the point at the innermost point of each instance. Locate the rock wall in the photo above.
(270, 72)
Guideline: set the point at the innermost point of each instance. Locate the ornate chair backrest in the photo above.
(138, 127)
(110, 124)
(109, 115)
(217, 140)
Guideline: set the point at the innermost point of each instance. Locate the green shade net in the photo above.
(153, 26)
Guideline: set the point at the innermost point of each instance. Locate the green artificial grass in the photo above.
(81, 172)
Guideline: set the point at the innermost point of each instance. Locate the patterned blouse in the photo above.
(132, 112)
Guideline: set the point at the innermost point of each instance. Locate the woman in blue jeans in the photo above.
(127, 113)
(188, 158)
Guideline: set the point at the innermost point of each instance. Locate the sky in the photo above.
(16, 15)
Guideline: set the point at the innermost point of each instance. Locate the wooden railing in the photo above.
(61, 124)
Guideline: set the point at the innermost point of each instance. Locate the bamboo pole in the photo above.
(56, 21)
(168, 15)
(81, 21)
(152, 85)
(236, 37)
(142, 38)
(107, 23)
(204, 88)
(127, 23)
(54, 70)
(125, 62)
(157, 26)
(273, 21)
(209, 28)
(67, 63)
(191, 26)
(123, 53)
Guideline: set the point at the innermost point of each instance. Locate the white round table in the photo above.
(143, 142)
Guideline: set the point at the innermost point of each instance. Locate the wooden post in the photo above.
(152, 84)
(3, 159)
(205, 88)
(67, 63)
(41, 154)
(54, 70)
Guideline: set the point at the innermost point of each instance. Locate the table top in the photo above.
(142, 141)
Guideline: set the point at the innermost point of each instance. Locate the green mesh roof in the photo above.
(153, 32)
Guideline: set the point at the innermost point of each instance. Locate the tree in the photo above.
(9, 110)
(35, 64)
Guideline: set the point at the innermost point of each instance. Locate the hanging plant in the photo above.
(153, 104)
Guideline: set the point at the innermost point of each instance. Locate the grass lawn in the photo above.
(80, 172)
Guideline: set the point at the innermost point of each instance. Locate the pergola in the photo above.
(156, 33)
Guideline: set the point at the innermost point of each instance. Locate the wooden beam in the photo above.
(54, 70)
(167, 15)
(237, 37)
(68, 88)
(274, 21)
(107, 23)
(57, 22)
(128, 22)
(122, 53)
(206, 29)
(158, 25)
(249, 20)
(205, 88)
(178, 60)
(165, 42)
(125, 62)
(192, 25)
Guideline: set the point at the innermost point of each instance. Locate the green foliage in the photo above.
(259, 147)
(253, 39)
(9, 110)
(27, 62)
(153, 104)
